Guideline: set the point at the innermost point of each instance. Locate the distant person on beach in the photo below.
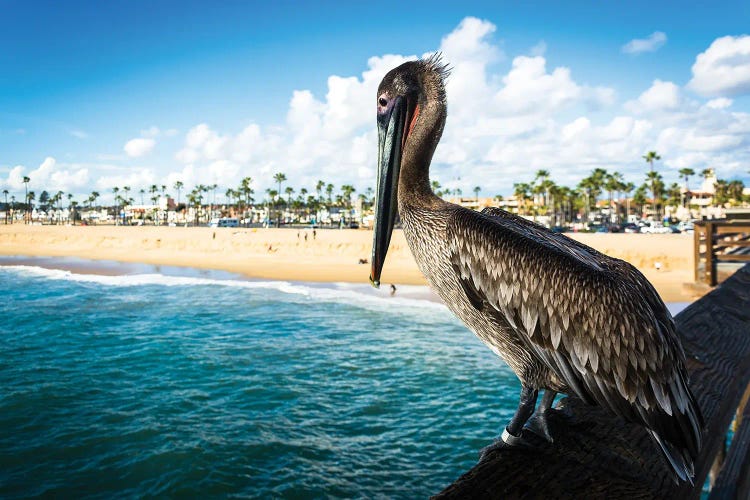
(393, 289)
(314, 233)
(305, 236)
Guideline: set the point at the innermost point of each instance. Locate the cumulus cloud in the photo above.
(139, 146)
(49, 176)
(649, 44)
(724, 68)
(661, 96)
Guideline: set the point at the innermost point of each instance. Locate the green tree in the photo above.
(7, 210)
(178, 185)
(44, 200)
(650, 158)
(639, 197)
(674, 195)
(522, 190)
(734, 190)
(686, 173)
(26, 181)
(721, 192)
(329, 192)
(279, 178)
(435, 188)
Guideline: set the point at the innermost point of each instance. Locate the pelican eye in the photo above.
(383, 101)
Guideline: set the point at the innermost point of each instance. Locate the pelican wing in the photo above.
(595, 321)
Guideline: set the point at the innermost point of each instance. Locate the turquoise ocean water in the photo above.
(139, 381)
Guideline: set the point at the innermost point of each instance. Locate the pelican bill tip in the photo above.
(375, 283)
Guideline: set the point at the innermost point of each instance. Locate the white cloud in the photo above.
(139, 146)
(719, 103)
(649, 44)
(724, 68)
(49, 176)
(79, 134)
(539, 49)
(661, 96)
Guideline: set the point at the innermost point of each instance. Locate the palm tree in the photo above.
(521, 192)
(279, 178)
(329, 192)
(74, 210)
(58, 199)
(30, 197)
(612, 183)
(93, 197)
(5, 192)
(540, 179)
(721, 192)
(655, 181)
(116, 190)
(435, 188)
(650, 157)
(476, 192)
(178, 185)
(627, 188)
(686, 173)
(70, 206)
(26, 181)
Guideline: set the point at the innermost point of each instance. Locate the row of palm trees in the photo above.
(540, 196)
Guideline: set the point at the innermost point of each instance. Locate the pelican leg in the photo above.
(526, 405)
(538, 423)
(511, 435)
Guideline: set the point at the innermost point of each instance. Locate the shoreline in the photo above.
(79, 267)
(331, 257)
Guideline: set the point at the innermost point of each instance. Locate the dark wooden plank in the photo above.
(710, 264)
(596, 455)
(728, 257)
(734, 480)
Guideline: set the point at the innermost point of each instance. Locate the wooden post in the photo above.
(697, 233)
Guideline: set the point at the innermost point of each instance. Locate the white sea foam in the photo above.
(407, 297)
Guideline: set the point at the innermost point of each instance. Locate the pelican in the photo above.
(564, 317)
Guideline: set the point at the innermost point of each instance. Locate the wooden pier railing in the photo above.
(596, 455)
(716, 243)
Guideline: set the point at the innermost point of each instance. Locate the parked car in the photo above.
(686, 227)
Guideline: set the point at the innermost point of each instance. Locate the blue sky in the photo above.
(207, 90)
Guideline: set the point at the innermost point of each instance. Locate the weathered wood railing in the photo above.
(717, 242)
(595, 455)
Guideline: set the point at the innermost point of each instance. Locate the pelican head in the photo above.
(405, 93)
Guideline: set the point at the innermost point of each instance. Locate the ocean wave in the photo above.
(358, 295)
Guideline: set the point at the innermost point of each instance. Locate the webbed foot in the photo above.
(508, 440)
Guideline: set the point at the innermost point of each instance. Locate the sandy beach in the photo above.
(332, 256)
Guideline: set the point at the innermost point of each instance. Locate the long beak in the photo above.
(391, 130)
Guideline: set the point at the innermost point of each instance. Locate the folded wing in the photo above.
(595, 321)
